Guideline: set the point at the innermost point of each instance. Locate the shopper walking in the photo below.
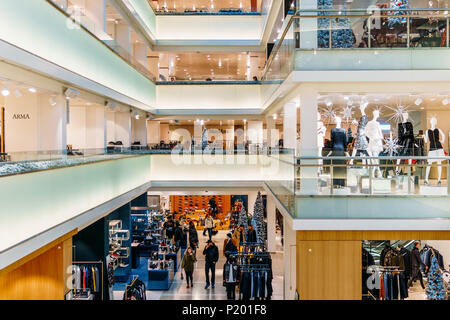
(416, 262)
(209, 225)
(169, 227)
(188, 264)
(211, 254)
(193, 237)
(177, 234)
(228, 245)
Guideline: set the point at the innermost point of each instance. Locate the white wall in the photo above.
(139, 130)
(153, 132)
(232, 28)
(118, 127)
(32, 123)
(86, 127)
(208, 97)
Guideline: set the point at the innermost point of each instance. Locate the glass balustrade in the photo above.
(207, 7)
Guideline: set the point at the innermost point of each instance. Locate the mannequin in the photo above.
(375, 135)
(339, 149)
(321, 131)
(436, 138)
(405, 139)
(361, 143)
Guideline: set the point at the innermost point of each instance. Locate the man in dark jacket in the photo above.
(177, 234)
(211, 254)
(416, 262)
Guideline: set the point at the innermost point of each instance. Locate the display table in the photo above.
(161, 279)
(175, 257)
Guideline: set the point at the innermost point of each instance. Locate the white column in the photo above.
(52, 122)
(255, 131)
(290, 126)
(96, 11)
(95, 127)
(153, 62)
(308, 26)
(271, 224)
(153, 132)
(139, 130)
(251, 201)
(271, 133)
(308, 140)
(123, 36)
(254, 70)
(289, 259)
(140, 53)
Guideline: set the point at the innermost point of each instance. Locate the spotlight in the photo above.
(17, 93)
(418, 101)
(5, 92)
(275, 116)
(52, 101)
(329, 103)
(111, 105)
(32, 90)
(445, 101)
(71, 93)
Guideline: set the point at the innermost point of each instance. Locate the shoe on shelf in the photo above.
(207, 286)
(212, 286)
(426, 182)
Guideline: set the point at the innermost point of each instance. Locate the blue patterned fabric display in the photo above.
(435, 286)
(342, 34)
(398, 4)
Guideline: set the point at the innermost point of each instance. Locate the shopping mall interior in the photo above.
(247, 150)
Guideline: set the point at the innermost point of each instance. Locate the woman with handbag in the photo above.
(209, 225)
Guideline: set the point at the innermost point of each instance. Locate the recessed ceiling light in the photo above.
(5, 92)
(418, 101)
(33, 90)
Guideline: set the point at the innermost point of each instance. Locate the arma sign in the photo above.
(21, 116)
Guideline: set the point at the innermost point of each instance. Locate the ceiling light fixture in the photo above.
(445, 101)
(418, 101)
(52, 101)
(5, 92)
(32, 90)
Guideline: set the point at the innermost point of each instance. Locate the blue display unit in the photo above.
(161, 279)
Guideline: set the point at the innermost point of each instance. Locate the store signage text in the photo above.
(21, 116)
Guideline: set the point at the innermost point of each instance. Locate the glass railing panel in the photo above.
(206, 7)
(428, 32)
(362, 176)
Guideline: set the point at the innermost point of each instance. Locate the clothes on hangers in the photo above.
(136, 290)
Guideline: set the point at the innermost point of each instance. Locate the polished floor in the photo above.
(178, 290)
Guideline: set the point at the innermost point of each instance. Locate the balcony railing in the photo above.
(315, 31)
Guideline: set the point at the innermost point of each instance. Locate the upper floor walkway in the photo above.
(48, 194)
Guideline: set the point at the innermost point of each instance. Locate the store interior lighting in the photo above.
(5, 91)
(17, 93)
(418, 101)
(32, 90)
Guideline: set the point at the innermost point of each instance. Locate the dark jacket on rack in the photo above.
(231, 273)
(416, 262)
(407, 258)
(251, 235)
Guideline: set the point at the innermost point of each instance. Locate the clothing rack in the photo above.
(135, 277)
(91, 262)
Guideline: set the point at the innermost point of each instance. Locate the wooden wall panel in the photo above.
(373, 235)
(67, 264)
(329, 270)
(38, 279)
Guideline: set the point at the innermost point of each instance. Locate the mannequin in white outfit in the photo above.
(436, 149)
(375, 135)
